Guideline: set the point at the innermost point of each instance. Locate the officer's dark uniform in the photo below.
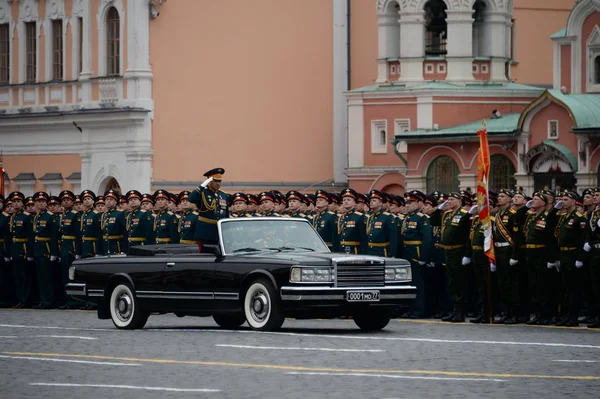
(351, 228)
(165, 222)
(295, 195)
(212, 206)
(91, 231)
(571, 231)
(21, 250)
(455, 236)
(239, 197)
(382, 230)
(436, 281)
(45, 251)
(114, 227)
(593, 246)
(70, 232)
(7, 297)
(187, 222)
(540, 249)
(268, 196)
(139, 223)
(325, 223)
(508, 247)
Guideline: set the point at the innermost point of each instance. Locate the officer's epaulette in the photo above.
(95, 211)
(386, 213)
(74, 212)
(5, 214)
(331, 213)
(358, 213)
(579, 214)
(142, 210)
(49, 213)
(169, 213)
(463, 211)
(427, 216)
(420, 214)
(511, 210)
(195, 213)
(26, 213)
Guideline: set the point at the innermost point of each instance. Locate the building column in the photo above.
(412, 45)
(467, 180)
(388, 42)
(356, 131)
(526, 181)
(138, 73)
(340, 87)
(460, 46)
(416, 182)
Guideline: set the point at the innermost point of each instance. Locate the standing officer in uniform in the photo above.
(508, 243)
(7, 292)
(91, 231)
(114, 226)
(571, 230)
(253, 204)
(325, 221)
(139, 222)
(165, 221)
(455, 236)
(21, 250)
(212, 206)
(295, 200)
(351, 225)
(54, 205)
(188, 220)
(417, 241)
(592, 247)
(70, 230)
(382, 231)
(45, 250)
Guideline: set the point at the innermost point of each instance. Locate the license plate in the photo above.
(362, 296)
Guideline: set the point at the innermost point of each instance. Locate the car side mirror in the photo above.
(211, 249)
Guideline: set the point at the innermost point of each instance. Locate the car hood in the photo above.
(313, 258)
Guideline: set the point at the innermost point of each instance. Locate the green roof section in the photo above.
(560, 34)
(563, 150)
(432, 85)
(584, 108)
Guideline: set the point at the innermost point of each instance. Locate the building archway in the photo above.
(112, 184)
(502, 173)
(442, 175)
(395, 189)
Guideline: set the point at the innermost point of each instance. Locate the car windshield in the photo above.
(262, 235)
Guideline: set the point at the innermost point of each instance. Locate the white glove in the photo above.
(529, 204)
(513, 262)
(205, 182)
(550, 265)
(466, 261)
(578, 264)
(442, 206)
(558, 205)
(53, 258)
(473, 210)
(492, 267)
(77, 257)
(431, 264)
(7, 259)
(598, 223)
(421, 263)
(586, 247)
(29, 259)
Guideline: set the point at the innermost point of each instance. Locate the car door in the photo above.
(188, 282)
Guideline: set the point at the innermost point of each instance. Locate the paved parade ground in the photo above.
(66, 354)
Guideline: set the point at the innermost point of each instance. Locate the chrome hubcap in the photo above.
(260, 306)
(124, 306)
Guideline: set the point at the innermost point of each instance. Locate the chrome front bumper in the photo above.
(312, 293)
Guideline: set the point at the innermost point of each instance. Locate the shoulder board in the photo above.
(386, 213)
(420, 214)
(463, 211)
(195, 213)
(579, 214)
(5, 214)
(49, 213)
(358, 213)
(142, 210)
(169, 212)
(26, 213)
(302, 215)
(511, 210)
(331, 213)
(427, 216)
(95, 211)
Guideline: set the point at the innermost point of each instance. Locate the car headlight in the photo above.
(311, 275)
(72, 273)
(397, 273)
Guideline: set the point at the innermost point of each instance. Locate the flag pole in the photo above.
(1, 173)
(488, 271)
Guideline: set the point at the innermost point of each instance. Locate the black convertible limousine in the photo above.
(262, 270)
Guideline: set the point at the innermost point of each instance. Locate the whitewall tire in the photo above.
(262, 306)
(124, 310)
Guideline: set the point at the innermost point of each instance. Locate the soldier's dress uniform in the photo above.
(291, 195)
(70, 231)
(166, 223)
(455, 236)
(240, 214)
(45, 252)
(540, 250)
(268, 196)
(7, 297)
(436, 281)
(351, 228)
(325, 223)
(593, 248)
(187, 222)
(212, 206)
(382, 230)
(91, 231)
(481, 269)
(139, 223)
(508, 247)
(21, 252)
(114, 227)
(417, 242)
(571, 231)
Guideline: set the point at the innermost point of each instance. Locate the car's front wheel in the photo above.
(262, 306)
(124, 310)
(230, 321)
(373, 319)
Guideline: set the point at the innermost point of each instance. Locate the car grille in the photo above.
(357, 273)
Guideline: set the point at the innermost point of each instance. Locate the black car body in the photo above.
(263, 270)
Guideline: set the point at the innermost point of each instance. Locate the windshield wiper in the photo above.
(294, 248)
(247, 249)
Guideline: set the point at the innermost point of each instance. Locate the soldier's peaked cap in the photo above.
(310, 199)
(99, 200)
(148, 198)
(216, 173)
(184, 195)
(161, 194)
(41, 195)
(16, 195)
(349, 193)
(112, 194)
(54, 200)
(414, 195)
(377, 194)
(507, 192)
(323, 194)
(133, 194)
(266, 196)
(66, 194)
(87, 193)
(29, 201)
(239, 197)
(571, 194)
(294, 195)
(455, 195)
(253, 198)
(431, 200)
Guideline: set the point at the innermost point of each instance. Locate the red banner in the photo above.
(483, 201)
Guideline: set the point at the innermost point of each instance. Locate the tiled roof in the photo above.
(561, 33)
(24, 177)
(51, 176)
(75, 176)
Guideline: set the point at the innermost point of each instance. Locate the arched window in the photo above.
(502, 173)
(113, 42)
(597, 70)
(113, 184)
(442, 175)
(436, 33)
(479, 28)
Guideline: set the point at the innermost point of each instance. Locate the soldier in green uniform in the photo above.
(165, 222)
(239, 204)
(7, 292)
(351, 225)
(310, 205)
(188, 220)
(114, 226)
(455, 235)
(212, 205)
(295, 200)
(78, 204)
(382, 230)
(324, 221)
(91, 231)
(45, 250)
(30, 205)
(508, 246)
(253, 204)
(590, 297)
(592, 247)
(571, 229)
(139, 222)
(123, 205)
(70, 230)
(267, 201)
(54, 205)
(417, 242)
(21, 250)
(541, 255)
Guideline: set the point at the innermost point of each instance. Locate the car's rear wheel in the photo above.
(262, 306)
(230, 321)
(124, 310)
(373, 319)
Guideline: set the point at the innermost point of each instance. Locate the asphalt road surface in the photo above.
(68, 354)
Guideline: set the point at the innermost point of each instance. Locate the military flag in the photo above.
(1, 175)
(483, 201)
